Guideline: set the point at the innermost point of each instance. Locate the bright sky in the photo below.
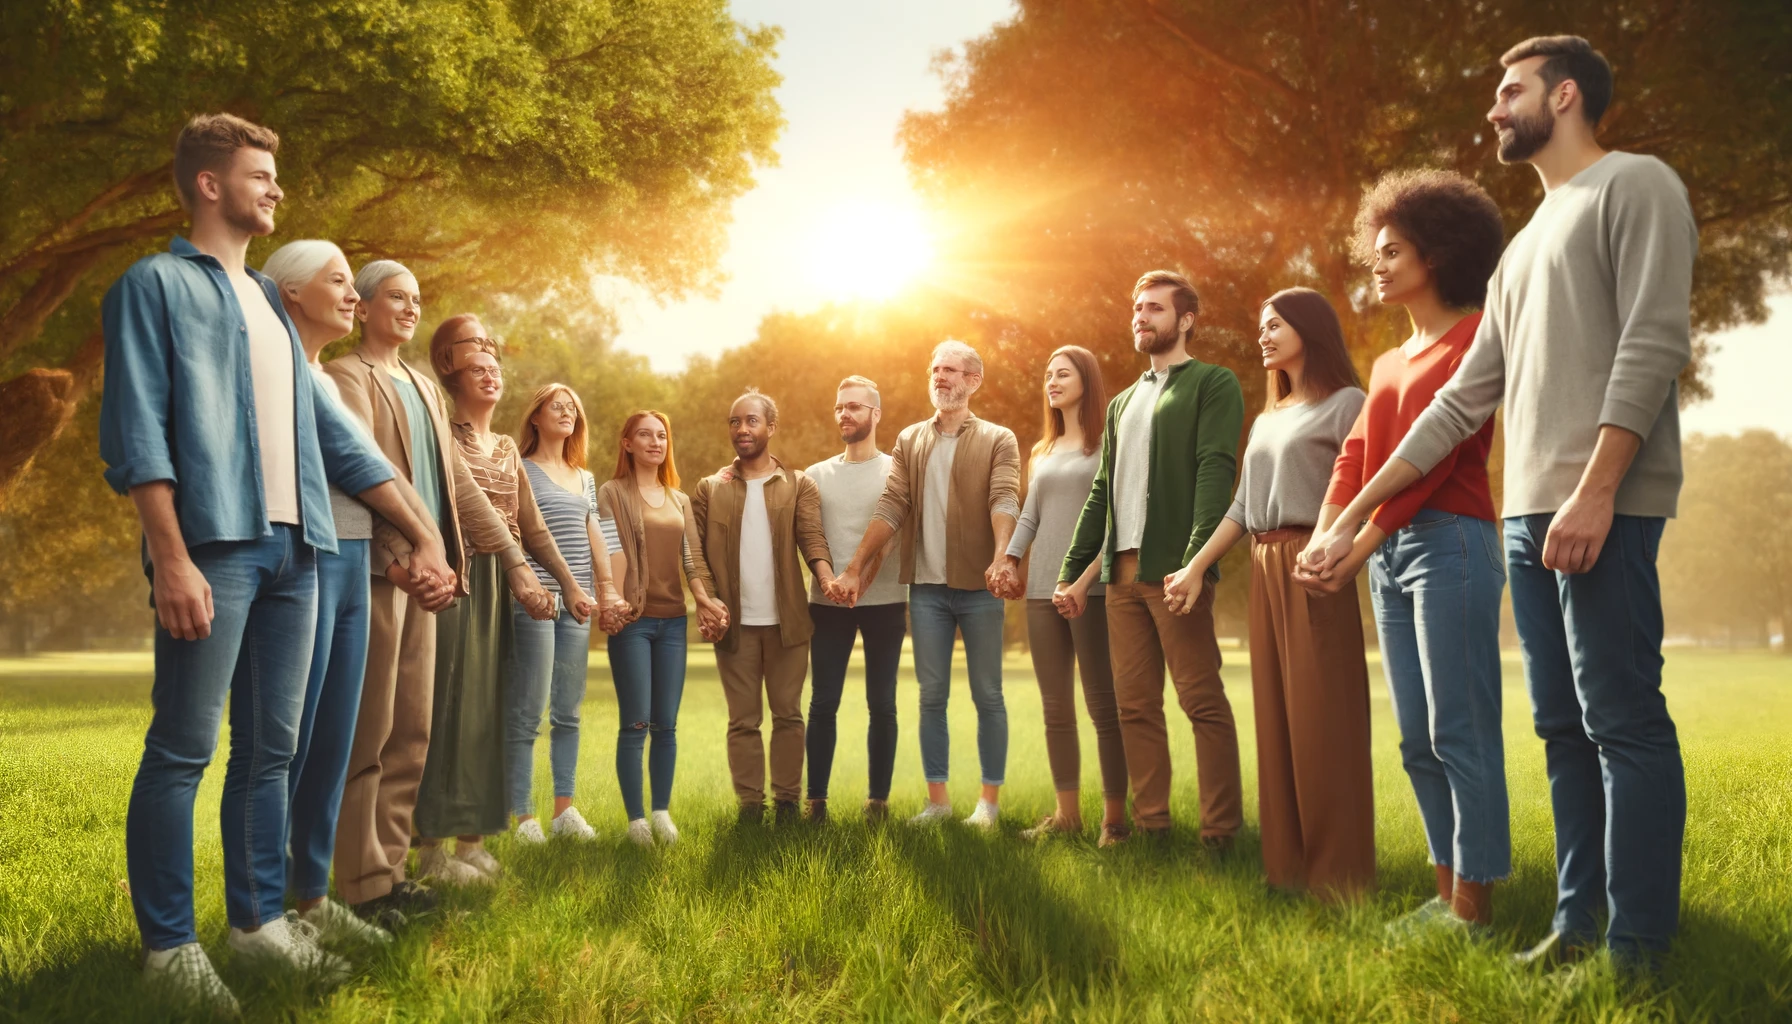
(840, 197)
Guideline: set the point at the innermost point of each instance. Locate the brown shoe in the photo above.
(818, 812)
(1050, 826)
(1113, 834)
(877, 812)
(1219, 846)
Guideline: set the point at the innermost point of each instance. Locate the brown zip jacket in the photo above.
(793, 505)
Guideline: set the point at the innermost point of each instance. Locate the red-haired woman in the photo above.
(1072, 639)
(462, 793)
(658, 552)
(1309, 679)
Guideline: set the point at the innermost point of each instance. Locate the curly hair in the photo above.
(1452, 221)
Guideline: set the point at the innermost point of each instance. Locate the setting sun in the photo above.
(888, 245)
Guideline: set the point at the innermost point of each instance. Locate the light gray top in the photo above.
(1056, 493)
(1132, 461)
(930, 539)
(354, 521)
(1588, 323)
(1288, 460)
(849, 493)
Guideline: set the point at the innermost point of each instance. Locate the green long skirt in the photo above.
(463, 779)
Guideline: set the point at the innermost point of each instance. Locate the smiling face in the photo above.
(244, 190)
(1523, 111)
(327, 301)
(748, 428)
(480, 380)
(647, 441)
(391, 313)
(1280, 344)
(1063, 384)
(856, 414)
(1401, 274)
(556, 419)
(952, 383)
(1155, 326)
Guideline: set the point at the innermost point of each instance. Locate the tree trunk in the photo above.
(37, 404)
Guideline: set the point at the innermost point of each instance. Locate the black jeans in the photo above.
(883, 626)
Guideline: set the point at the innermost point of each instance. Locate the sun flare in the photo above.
(869, 249)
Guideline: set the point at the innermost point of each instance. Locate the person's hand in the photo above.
(1071, 599)
(431, 593)
(712, 619)
(1182, 588)
(1326, 549)
(529, 593)
(616, 612)
(846, 588)
(580, 605)
(183, 600)
(428, 566)
(1341, 575)
(1577, 533)
(1002, 576)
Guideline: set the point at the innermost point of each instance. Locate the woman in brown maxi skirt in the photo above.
(1308, 674)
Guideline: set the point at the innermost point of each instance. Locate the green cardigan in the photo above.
(1194, 463)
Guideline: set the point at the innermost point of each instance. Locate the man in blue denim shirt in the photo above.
(224, 443)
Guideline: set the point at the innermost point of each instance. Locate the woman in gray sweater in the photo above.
(1063, 467)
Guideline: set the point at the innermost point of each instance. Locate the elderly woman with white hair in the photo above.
(318, 292)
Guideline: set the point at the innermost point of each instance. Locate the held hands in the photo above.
(431, 592)
(844, 589)
(580, 605)
(616, 612)
(1341, 574)
(712, 619)
(1326, 550)
(1182, 588)
(530, 593)
(1003, 578)
(1577, 533)
(429, 566)
(1071, 599)
(183, 600)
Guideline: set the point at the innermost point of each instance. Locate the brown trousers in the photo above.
(385, 763)
(1311, 689)
(760, 663)
(1144, 636)
(1062, 649)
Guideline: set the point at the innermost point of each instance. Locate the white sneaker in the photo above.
(285, 943)
(663, 827)
(434, 864)
(479, 858)
(570, 824)
(186, 973)
(529, 832)
(932, 814)
(639, 833)
(987, 816)
(336, 923)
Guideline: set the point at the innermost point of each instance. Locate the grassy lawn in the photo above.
(849, 923)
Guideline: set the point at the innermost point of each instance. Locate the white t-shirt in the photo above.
(930, 539)
(1132, 462)
(270, 370)
(758, 589)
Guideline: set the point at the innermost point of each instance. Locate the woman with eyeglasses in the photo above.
(549, 659)
(463, 792)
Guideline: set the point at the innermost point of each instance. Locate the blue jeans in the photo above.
(327, 722)
(1592, 653)
(547, 668)
(264, 598)
(1436, 586)
(647, 666)
(936, 613)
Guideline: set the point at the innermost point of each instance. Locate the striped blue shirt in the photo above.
(567, 513)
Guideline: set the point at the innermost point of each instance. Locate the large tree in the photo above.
(505, 146)
(1085, 141)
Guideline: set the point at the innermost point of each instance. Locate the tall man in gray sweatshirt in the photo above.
(1586, 330)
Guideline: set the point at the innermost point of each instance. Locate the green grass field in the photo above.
(851, 923)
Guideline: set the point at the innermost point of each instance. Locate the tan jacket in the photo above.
(985, 482)
(368, 392)
(793, 504)
(620, 502)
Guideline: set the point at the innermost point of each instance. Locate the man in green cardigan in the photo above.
(1169, 455)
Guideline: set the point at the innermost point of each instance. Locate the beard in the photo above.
(1158, 342)
(751, 448)
(953, 400)
(853, 433)
(1529, 134)
(246, 216)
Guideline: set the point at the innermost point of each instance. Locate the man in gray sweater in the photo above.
(1586, 331)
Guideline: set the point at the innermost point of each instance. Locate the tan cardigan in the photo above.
(793, 504)
(620, 502)
(368, 392)
(985, 482)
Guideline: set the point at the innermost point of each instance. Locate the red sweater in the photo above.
(1400, 389)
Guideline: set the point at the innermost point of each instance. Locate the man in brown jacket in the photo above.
(406, 415)
(758, 523)
(953, 495)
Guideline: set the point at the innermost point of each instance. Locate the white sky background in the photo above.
(851, 68)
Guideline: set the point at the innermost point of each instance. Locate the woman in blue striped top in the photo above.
(549, 658)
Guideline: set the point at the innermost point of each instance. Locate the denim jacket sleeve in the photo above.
(351, 461)
(134, 406)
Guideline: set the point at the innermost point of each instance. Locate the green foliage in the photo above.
(1084, 143)
(1726, 563)
(899, 924)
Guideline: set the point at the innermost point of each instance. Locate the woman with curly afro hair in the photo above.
(1432, 239)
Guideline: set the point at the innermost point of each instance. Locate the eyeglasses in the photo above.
(486, 372)
(560, 407)
(477, 341)
(856, 408)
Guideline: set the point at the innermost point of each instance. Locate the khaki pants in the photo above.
(373, 832)
(1310, 684)
(1144, 636)
(761, 663)
(1062, 649)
